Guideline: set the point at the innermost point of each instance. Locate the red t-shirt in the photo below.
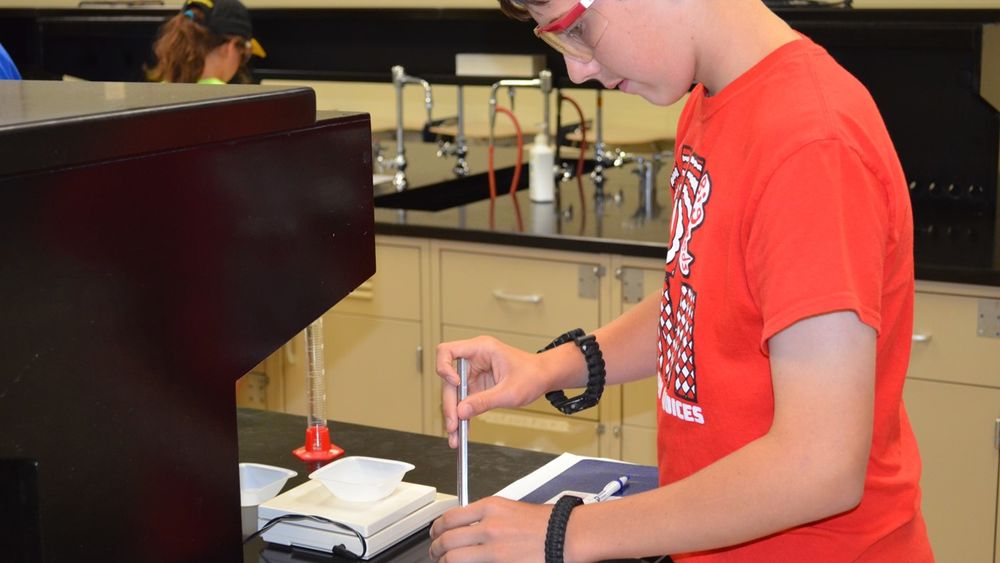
(789, 202)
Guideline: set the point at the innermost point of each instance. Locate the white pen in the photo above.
(608, 490)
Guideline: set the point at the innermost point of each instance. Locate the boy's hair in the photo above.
(181, 49)
(518, 9)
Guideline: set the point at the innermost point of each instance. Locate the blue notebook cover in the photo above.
(590, 476)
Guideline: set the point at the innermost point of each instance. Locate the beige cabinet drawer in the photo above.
(639, 444)
(547, 433)
(514, 294)
(945, 344)
(528, 343)
(394, 291)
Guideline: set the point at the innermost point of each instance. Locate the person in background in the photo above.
(208, 42)
(8, 70)
(780, 338)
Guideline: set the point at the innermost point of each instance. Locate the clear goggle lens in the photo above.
(578, 39)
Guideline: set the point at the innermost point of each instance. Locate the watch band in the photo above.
(596, 373)
(555, 534)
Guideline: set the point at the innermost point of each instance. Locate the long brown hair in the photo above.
(181, 49)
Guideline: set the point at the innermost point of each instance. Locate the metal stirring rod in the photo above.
(462, 365)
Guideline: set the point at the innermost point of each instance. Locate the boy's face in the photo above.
(641, 49)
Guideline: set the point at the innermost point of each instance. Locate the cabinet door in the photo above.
(528, 343)
(639, 403)
(373, 372)
(639, 445)
(537, 426)
(955, 426)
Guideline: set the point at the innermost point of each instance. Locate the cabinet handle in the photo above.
(996, 433)
(922, 338)
(365, 291)
(420, 359)
(504, 296)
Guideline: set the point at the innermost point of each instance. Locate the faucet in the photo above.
(602, 159)
(543, 82)
(399, 80)
(459, 148)
(646, 169)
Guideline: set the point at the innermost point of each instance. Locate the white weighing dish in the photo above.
(362, 479)
(260, 483)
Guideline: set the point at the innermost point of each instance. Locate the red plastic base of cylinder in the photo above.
(318, 446)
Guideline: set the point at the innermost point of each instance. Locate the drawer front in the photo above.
(394, 290)
(529, 343)
(513, 294)
(532, 431)
(946, 346)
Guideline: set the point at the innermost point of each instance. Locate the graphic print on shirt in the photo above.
(677, 385)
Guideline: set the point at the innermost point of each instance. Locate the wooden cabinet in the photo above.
(952, 396)
(525, 298)
(955, 428)
(636, 278)
(540, 294)
(380, 366)
(537, 426)
(374, 346)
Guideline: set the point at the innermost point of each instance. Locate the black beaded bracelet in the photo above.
(596, 373)
(555, 534)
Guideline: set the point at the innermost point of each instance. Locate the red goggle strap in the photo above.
(563, 23)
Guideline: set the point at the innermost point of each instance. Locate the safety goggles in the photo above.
(249, 48)
(576, 33)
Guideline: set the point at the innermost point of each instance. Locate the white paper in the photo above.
(520, 488)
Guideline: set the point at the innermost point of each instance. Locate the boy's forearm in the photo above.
(628, 345)
(758, 490)
(629, 342)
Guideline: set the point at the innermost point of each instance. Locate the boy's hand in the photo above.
(499, 376)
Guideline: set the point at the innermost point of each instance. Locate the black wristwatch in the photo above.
(555, 534)
(596, 373)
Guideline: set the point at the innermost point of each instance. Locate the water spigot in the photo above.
(399, 80)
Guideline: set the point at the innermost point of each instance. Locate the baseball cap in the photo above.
(226, 17)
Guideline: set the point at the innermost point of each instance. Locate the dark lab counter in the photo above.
(951, 243)
(269, 438)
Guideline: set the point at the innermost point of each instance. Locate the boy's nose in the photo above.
(581, 72)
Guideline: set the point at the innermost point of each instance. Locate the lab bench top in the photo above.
(269, 438)
(951, 244)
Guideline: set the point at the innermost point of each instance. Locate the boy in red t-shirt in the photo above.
(781, 335)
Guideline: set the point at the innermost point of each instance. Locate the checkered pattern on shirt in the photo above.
(675, 347)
